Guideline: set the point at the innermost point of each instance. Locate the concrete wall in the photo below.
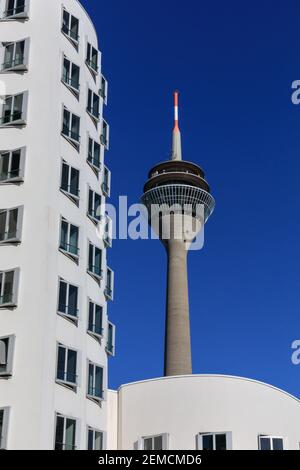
(31, 394)
(188, 405)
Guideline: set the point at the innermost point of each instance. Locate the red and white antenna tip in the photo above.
(176, 99)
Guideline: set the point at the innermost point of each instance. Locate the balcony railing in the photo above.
(92, 65)
(70, 33)
(70, 190)
(94, 161)
(13, 63)
(69, 248)
(95, 270)
(93, 328)
(94, 112)
(6, 236)
(71, 82)
(68, 310)
(6, 299)
(95, 214)
(67, 377)
(64, 446)
(9, 175)
(10, 118)
(95, 392)
(71, 134)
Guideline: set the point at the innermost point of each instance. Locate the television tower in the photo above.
(179, 203)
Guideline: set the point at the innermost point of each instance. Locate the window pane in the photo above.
(74, 28)
(2, 225)
(1, 425)
(277, 443)
(62, 297)
(75, 127)
(71, 366)
(97, 206)
(8, 286)
(7, 109)
(4, 164)
(97, 154)
(75, 76)
(208, 442)
(91, 203)
(94, 59)
(65, 177)
(91, 380)
(74, 182)
(70, 434)
(3, 354)
(73, 248)
(64, 235)
(66, 122)
(12, 223)
(19, 56)
(98, 441)
(91, 439)
(148, 444)
(8, 56)
(158, 441)
(18, 103)
(91, 257)
(66, 19)
(66, 70)
(91, 326)
(61, 363)
(220, 441)
(98, 260)
(265, 443)
(98, 381)
(15, 163)
(59, 437)
(73, 301)
(98, 319)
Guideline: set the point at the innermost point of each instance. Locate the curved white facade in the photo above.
(183, 409)
(30, 393)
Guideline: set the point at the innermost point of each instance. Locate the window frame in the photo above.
(73, 41)
(95, 334)
(75, 143)
(92, 95)
(94, 431)
(271, 439)
(73, 197)
(111, 349)
(22, 121)
(70, 385)
(24, 15)
(5, 427)
(14, 295)
(69, 254)
(88, 59)
(91, 397)
(227, 434)
(18, 238)
(10, 356)
(68, 84)
(106, 185)
(74, 319)
(20, 177)
(65, 418)
(22, 67)
(96, 276)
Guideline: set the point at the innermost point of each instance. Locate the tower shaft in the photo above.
(178, 358)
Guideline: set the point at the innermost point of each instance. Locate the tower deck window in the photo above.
(95, 439)
(14, 110)
(95, 262)
(4, 417)
(94, 155)
(71, 76)
(70, 182)
(10, 225)
(6, 356)
(95, 205)
(65, 435)
(95, 382)
(95, 325)
(92, 58)
(68, 300)
(70, 27)
(270, 443)
(69, 237)
(71, 128)
(16, 9)
(12, 166)
(15, 56)
(93, 106)
(66, 373)
(8, 288)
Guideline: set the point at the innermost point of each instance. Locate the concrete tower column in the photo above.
(178, 357)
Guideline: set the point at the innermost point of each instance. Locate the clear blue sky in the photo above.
(233, 63)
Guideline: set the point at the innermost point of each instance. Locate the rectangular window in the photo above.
(104, 138)
(66, 366)
(70, 27)
(16, 9)
(214, 441)
(95, 261)
(104, 89)
(95, 319)
(159, 442)
(14, 110)
(108, 232)
(109, 289)
(6, 355)
(69, 237)
(111, 335)
(70, 182)
(94, 209)
(71, 75)
(95, 439)
(92, 58)
(95, 382)
(15, 56)
(93, 106)
(68, 300)
(8, 288)
(270, 443)
(71, 127)
(11, 225)
(106, 182)
(4, 417)
(94, 155)
(65, 435)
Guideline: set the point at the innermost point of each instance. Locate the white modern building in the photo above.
(196, 412)
(55, 336)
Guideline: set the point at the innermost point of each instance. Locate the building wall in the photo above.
(185, 406)
(31, 393)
